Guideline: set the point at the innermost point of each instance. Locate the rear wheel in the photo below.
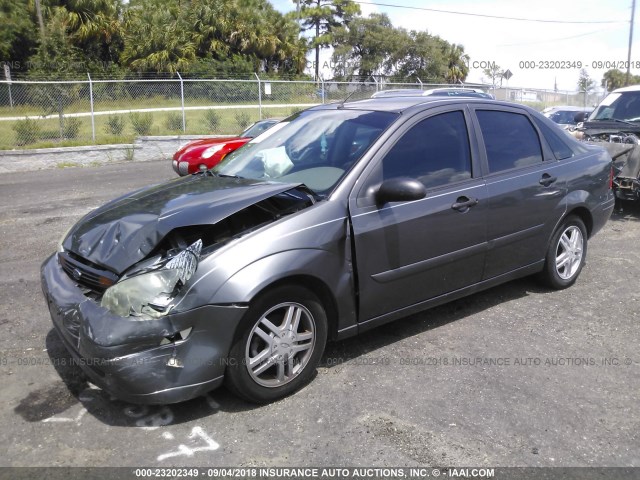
(566, 255)
(279, 345)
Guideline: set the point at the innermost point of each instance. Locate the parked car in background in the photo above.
(345, 217)
(206, 153)
(615, 125)
(565, 116)
(440, 92)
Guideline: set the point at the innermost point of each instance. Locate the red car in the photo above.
(206, 153)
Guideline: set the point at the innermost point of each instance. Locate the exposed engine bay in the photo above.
(615, 125)
(624, 148)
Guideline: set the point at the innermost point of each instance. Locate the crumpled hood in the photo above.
(124, 231)
(597, 127)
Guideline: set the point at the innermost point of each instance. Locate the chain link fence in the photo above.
(540, 99)
(36, 114)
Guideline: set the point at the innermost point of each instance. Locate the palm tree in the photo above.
(457, 63)
(157, 40)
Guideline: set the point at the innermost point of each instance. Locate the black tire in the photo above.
(273, 345)
(569, 239)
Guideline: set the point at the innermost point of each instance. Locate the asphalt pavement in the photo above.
(515, 376)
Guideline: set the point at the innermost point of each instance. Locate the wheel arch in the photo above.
(584, 214)
(321, 272)
(315, 286)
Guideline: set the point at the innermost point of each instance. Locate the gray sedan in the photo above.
(338, 219)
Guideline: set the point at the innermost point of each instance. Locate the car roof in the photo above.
(632, 88)
(416, 92)
(404, 103)
(566, 107)
(270, 119)
(398, 92)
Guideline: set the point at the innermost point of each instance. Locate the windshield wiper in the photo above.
(614, 120)
(221, 175)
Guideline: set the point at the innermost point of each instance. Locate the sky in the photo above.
(539, 54)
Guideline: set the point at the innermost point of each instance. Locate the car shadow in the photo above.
(338, 353)
(56, 402)
(52, 402)
(626, 211)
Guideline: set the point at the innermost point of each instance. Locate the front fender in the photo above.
(315, 265)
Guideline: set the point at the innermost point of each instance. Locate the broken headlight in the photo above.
(149, 294)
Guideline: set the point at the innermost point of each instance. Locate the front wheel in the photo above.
(566, 255)
(278, 346)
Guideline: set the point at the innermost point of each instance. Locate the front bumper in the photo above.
(180, 167)
(124, 356)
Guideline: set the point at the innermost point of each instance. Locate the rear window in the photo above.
(510, 140)
(559, 147)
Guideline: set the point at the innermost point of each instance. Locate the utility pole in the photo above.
(633, 11)
(318, 46)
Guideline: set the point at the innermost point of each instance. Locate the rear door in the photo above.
(526, 187)
(409, 252)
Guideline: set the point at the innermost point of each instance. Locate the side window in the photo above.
(435, 151)
(510, 140)
(560, 149)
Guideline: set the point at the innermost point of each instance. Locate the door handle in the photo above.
(464, 203)
(547, 180)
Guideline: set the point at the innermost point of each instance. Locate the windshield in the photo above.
(314, 147)
(618, 106)
(257, 128)
(563, 116)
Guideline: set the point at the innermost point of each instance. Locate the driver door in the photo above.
(413, 251)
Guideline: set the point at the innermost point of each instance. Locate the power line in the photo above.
(408, 7)
(552, 40)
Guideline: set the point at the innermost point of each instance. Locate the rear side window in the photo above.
(510, 140)
(560, 149)
(435, 151)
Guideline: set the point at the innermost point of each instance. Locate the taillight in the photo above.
(611, 177)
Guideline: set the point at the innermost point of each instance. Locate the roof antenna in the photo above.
(341, 104)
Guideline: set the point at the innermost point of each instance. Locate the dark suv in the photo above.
(338, 219)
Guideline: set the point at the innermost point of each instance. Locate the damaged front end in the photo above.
(624, 148)
(615, 125)
(115, 286)
(148, 291)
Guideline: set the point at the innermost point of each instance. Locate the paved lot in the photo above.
(562, 389)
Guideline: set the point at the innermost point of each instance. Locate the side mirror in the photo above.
(400, 190)
(580, 117)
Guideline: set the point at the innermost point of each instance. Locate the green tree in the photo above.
(157, 37)
(613, 79)
(95, 27)
(229, 36)
(365, 46)
(57, 57)
(18, 35)
(322, 17)
(585, 82)
(495, 73)
(422, 57)
(372, 45)
(252, 29)
(92, 26)
(457, 62)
